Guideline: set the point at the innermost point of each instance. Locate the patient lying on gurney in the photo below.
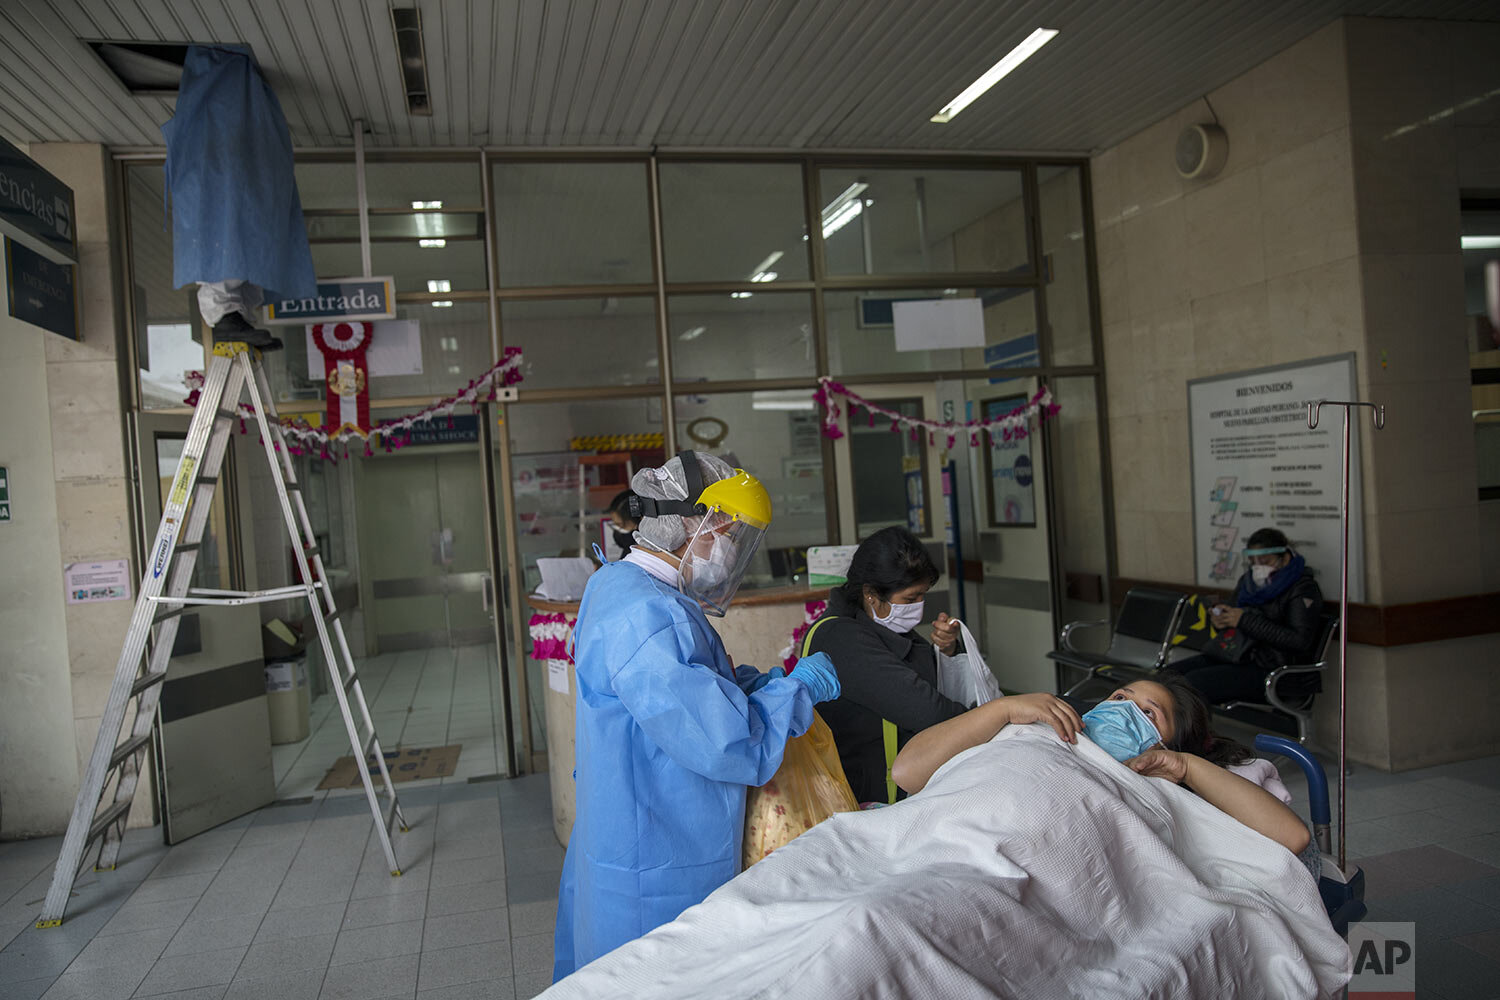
(1027, 865)
(1158, 729)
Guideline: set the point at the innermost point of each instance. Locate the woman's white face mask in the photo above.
(901, 617)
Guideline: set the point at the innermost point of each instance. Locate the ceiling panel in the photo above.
(785, 74)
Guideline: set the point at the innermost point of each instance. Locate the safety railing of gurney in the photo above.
(1343, 898)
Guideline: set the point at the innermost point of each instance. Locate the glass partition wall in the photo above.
(693, 301)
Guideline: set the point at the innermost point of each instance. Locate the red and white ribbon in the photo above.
(348, 375)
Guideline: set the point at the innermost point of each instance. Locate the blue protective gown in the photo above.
(668, 737)
(235, 209)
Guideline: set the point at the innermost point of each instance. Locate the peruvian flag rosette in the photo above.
(344, 346)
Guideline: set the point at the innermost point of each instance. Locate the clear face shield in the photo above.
(717, 558)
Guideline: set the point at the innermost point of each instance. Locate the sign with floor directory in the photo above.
(1255, 464)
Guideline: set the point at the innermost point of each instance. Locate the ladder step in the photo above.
(350, 681)
(311, 551)
(187, 547)
(109, 816)
(226, 414)
(292, 486)
(145, 681)
(208, 480)
(370, 746)
(338, 613)
(128, 748)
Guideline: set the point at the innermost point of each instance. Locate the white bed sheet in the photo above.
(1026, 868)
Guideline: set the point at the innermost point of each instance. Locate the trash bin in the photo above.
(287, 699)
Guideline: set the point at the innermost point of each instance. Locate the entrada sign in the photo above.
(36, 209)
(337, 298)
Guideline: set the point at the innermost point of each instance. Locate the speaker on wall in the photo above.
(1201, 151)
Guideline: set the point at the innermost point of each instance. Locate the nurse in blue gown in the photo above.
(669, 733)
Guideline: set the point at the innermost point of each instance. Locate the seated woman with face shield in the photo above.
(669, 733)
(1156, 728)
(1278, 606)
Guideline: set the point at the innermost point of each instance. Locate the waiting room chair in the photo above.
(1140, 642)
(1277, 695)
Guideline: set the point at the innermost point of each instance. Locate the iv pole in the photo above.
(1377, 413)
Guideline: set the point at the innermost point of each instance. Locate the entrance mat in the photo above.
(405, 764)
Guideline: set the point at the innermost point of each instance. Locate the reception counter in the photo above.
(757, 627)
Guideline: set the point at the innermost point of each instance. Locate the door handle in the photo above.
(487, 594)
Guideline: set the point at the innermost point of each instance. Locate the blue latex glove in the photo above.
(817, 675)
(751, 680)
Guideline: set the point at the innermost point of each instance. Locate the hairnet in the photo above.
(669, 532)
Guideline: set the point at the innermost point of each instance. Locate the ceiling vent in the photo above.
(147, 69)
(1201, 151)
(407, 23)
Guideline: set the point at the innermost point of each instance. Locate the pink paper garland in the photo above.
(393, 434)
(1015, 425)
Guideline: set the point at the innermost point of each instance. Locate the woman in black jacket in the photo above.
(1278, 607)
(888, 672)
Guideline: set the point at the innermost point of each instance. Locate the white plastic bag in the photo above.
(966, 678)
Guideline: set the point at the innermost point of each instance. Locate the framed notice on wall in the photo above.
(1255, 464)
(1009, 472)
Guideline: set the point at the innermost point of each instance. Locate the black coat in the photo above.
(1285, 627)
(883, 675)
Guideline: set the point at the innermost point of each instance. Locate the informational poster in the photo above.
(1257, 465)
(1011, 475)
(916, 505)
(108, 580)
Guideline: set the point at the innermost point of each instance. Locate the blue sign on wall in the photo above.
(464, 430)
(41, 293)
(339, 298)
(35, 208)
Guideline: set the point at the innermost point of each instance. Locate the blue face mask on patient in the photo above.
(1120, 728)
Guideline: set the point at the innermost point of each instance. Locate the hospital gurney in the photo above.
(1344, 895)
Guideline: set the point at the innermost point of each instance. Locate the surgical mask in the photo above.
(624, 539)
(1120, 728)
(901, 617)
(1261, 574)
(708, 574)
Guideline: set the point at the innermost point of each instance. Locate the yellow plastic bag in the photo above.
(808, 788)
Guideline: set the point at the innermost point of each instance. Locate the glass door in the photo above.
(895, 477)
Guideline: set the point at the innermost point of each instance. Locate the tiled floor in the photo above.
(294, 901)
(418, 698)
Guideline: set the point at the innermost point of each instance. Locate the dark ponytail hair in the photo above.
(1190, 725)
(892, 559)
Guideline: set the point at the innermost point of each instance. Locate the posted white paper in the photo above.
(936, 324)
(563, 579)
(557, 675)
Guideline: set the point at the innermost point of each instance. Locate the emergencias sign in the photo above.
(36, 209)
(337, 298)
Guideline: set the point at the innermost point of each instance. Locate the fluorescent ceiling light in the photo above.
(1480, 242)
(432, 244)
(781, 399)
(764, 276)
(838, 212)
(740, 295)
(439, 285)
(444, 304)
(765, 265)
(423, 206)
(995, 73)
(694, 333)
(449, 344)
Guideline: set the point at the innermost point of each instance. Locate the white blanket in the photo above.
(1026, 868)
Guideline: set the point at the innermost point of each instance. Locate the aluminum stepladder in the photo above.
(164, 596)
